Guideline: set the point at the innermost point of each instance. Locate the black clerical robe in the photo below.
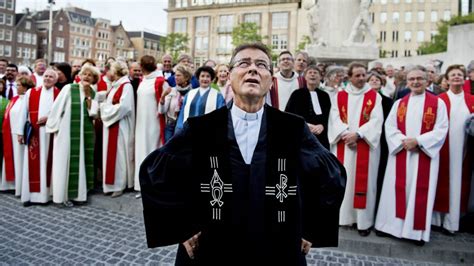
(252, 214)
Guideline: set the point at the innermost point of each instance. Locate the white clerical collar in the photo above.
(239, 113)
(203, 90)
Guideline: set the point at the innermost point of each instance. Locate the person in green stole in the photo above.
(71, 121)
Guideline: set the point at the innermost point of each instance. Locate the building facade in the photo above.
(209, 24)
(403, 25)
(60, 35)
(81, 33)
(146, 43)
(7, 28)
(26, 39)
(122, 46)
(102, 43)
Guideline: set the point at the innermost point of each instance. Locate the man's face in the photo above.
(167, 63)
(3, 66)
(49, 79)
(40, 68)
(358, 77)
(313, 78)
(390, 71)
(431, 74)
(416, 81)
(135, 71)
(301, 63)
(286, 62)
(250, 82)
(11, 73)
(76, 66)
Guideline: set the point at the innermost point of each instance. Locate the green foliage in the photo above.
(439, 43)
(246, 32)
(175, 44)
(304, 41)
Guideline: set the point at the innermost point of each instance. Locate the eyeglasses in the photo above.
(246, 63)
(416, 79)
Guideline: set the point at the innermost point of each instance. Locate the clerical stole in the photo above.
(161, 117)
(3, 107)
(8, 143)
(75, 140)
(112, 143)
(422, 181)
(442, 191)
(34, 145)
(363, 149)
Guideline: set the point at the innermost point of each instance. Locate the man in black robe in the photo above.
(244, 185)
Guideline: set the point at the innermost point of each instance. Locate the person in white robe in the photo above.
(348, 136)
(416, 145)
(148, 132)
(333, 82)
(46, 99)
(118, 110)
(452, 185)
(13, 130)
(60, 123)
(284, 82)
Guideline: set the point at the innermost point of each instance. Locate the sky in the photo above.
(136, 15)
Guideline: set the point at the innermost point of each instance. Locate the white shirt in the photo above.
(315, 101)
(246, 130)
(7, 89)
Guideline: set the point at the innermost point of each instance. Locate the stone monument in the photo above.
(341, 31)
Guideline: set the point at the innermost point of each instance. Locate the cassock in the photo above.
(357, 110)
(12, 168)
(73, 152)
(398, 213)
(199, 101)
(454, 175)
(252, 197)
(37, 162)
(118, 117)
(149, 130)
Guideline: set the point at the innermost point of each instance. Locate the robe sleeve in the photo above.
(432, 141)
(372, 130)
(18, 128)
(57, 110)
(168, 192)
(163, 108)
(94, 110)
(335, 125)
(111, 113)
(393, 135)
(322, 186)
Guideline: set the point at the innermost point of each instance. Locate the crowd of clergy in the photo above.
(402, 134)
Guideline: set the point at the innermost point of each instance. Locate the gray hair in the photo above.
(332, 71)
(95, 72)
(420, 68)
(119, 68)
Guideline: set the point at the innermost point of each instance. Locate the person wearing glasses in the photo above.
(415, 130)
(246, 182)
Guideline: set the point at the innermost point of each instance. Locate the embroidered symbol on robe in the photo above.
(216, 187)
(429, 118)
(281, 188)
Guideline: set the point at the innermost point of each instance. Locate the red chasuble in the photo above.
(8, 143)
(34, 146)
(363, 149)
(161, 117)
(113, 139)
(424, 162)
(442, 190)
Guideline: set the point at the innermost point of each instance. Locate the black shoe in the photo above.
(79, 203)
(381, 234)
(364, 233)
(419, 243)
(27, 204)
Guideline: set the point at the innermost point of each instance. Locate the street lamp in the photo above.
(50, 32)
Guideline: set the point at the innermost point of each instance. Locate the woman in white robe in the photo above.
(122, 112)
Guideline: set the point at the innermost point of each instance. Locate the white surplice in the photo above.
(44, 109)
(18, 149)
(430, 143)
(147, 130)
(459, 114)
(123, 113)
(370, 133)
(59, 123)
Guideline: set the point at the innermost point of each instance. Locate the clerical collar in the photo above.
(237, 112)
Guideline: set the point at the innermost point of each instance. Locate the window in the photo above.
(33, 54)
(59, 42)
(60, 27)
(252, 17)
(383, 17)
(2, 3)
(33, 39)
(280, 20)
(181, 3)
(26, 53)
(383, 36)
(8, 51)
(383, 2)
(180, 25)
(225, 43)
(27, 38)
(407, 17)
(8, 35)
(407, 1)
(9, 20)
(1, 49)
(434, 16)
(18, 52)
(59, 57)
(10, 4)
(396, 1)
(28, 25)
(201, 43)
(395, 17)
(446, 15)
(202, 24)
(407, 53)
(2, 18)
(421, 1)
(2, 34)
(420, 36)
(280, 42)
(19, 37)
(395, 36)
(407, 36)
(226, 23)
(394, 53)
(421, 16)
(433, 33)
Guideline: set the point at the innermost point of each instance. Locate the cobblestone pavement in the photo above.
(89, 235)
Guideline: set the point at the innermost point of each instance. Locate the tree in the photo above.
(175, 44)
(305, 40)
(439, 43)
(246, 32)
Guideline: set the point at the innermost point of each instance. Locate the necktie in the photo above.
(10, 92)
